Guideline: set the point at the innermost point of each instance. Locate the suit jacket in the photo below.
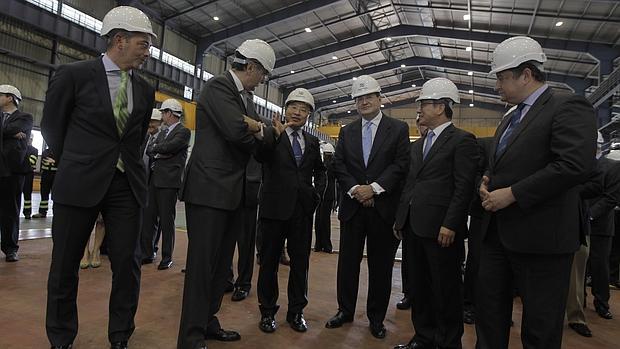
(215, 173)
(439, 188)
(548, 155)
(601, 206)
(79, 126)
(170, 154)
(32, 155)
(484, 150)
(387, 165)
(13, 157)
(285, 183)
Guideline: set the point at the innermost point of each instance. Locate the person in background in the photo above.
(32, 155)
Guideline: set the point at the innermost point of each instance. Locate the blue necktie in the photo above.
(515, 120)
(428, 144)
(367, 141)
(297, 148)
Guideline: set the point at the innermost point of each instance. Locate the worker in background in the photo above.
(169, 152)
(15, 129)
(323, 217)
(48, 173)
(95, 120)
(32, 155)
(293, 184)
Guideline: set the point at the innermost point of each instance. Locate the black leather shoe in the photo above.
(297, 322)
(413, 345)
(163, 265)
(604, 313)
(614, 285)
(239, 294)
(68, 346)
(338, 320)
(224, 336)
(12, 257)
(377, 330)
(147, 260)
(28, 216)
(119, 345)
(582, 329)
(404, 303)
(469, 317)
(267, 324)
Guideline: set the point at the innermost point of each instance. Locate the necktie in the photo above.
(5, 116)
(367, 141)
(296, 148)
(515, 120)
(428, 143)
(166, 130)
(121, 113)
(248, 100)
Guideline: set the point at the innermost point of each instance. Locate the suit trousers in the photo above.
(10, 203)
(159, 214)
(437, 291)
(297, 231)
(245, 247)
(71, 228)
(600, 248)
(542, 281)
(368, 226)
(614, 255)
(473, 263)
(27, 191)
(405, 273)
(323, 226)
(576, 292)
(47, 181)
(211, 234)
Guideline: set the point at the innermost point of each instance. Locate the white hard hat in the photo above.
(300, 95)
(364, 85)
(510, 53)
(327, 148)
(259, 50)
(156, 114)
(173, 105)
(127, 18)
(9, 89)
(439, 88)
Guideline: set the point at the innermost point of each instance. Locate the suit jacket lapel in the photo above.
(441, 139)
(356, 140)
(287, 140)
(101, 83)
(382, 132)
(239, 98)
(416, 150)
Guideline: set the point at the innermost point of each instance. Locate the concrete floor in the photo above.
(22, 307)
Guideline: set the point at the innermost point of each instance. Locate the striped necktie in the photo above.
(121, 113)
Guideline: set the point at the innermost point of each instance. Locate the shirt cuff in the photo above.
(376, 188)
(351, 191)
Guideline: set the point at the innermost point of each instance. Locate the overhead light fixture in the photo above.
(413, 85)
(334, 57)
(382, 105)
(559, 24)
(471, 91)
(388, 39)
(334, 101)
(470, 73)
(216, 18)
(466, 17)
(354, 78)
(471, 105)
(308, 30)
(468, 48)
(292, 72)
(348, 112)
(402, 65)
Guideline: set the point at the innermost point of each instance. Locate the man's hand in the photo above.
(278, 125)
(498, 199)
(398, 234)
(446, 237)
(253, 125)
(363, 193)
(369, 203)
(20, 135)
(484, 188)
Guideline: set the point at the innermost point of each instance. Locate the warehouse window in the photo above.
(49, 5)
(81, 18)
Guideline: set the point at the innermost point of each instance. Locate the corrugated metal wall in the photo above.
(97, 9)
(177, 45)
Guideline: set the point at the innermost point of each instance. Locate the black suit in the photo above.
(601, 214)
(31, 156)
(437, 194)
(323, 217)
(387, 166)
(533, 240)
(288, 198)
(14, 166)
(169, 155)
(80, 127)
(213, 192)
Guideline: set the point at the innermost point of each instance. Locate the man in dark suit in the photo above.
(48, 173)
(213, 188)
(371, 160)
(432, 218)
(15, 128)
(169, 152)
(323, 217)
(293, 182)
(32, 155)
(95, 119)
(544, 147)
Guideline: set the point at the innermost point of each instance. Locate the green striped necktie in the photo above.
(121, 113)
